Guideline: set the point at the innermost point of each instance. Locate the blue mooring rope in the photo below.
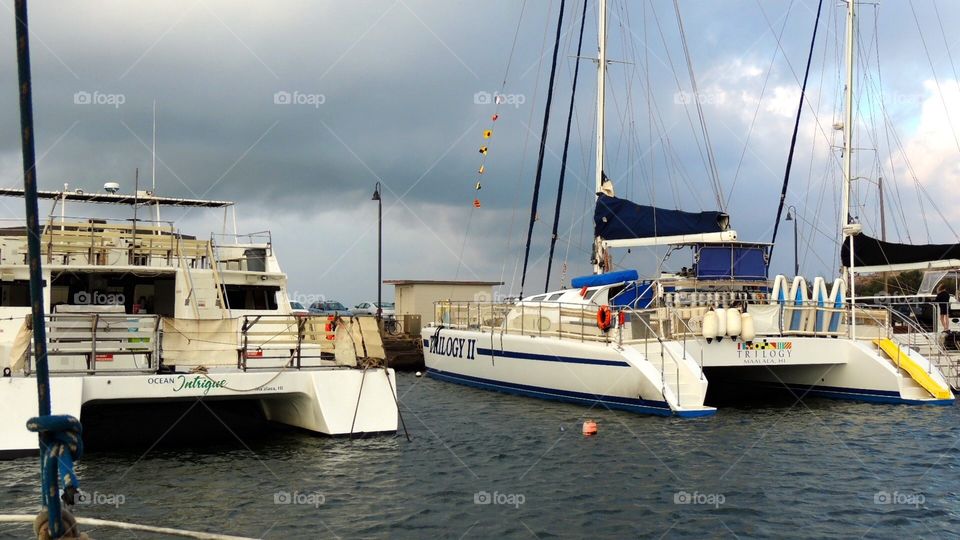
(61, 444)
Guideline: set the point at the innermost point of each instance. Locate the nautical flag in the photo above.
(480, 170)
(476, 203)
(478, 186)
(487, 134)
(494, 117)
(483, 150)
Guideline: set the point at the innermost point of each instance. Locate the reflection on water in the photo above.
(488, 465)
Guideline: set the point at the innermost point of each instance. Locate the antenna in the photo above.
(153, 167)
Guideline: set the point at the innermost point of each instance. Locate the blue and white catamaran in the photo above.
(616, 341)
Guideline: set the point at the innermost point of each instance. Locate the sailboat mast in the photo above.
(848, 229)
(848, 117)
(601, 92)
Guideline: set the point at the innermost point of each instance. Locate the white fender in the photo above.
(709, 326)
(721, 323)
(747, 332)
(733, 322)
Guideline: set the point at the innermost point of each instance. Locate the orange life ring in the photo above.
(604, 318)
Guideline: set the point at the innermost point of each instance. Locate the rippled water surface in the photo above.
(814, 468)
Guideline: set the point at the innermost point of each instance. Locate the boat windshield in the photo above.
(932, 277)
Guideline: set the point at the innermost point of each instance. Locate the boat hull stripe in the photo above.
(550, 358)
(857, 394)
(613, 402)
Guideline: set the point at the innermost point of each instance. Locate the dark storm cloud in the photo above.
(398, 80)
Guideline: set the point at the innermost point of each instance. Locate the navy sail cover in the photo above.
(620, 219)
(872, 252)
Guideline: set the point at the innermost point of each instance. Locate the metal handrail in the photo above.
(118, 326)
(915, 331)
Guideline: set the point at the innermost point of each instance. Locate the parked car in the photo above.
(329, 308)
(370, 308)
(296, 308)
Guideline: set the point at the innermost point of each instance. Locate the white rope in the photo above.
(93, 522)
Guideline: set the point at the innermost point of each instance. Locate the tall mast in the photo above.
(848, 119)
(849, 230)
(601, 91)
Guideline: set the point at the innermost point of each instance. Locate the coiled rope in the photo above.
(61, 444)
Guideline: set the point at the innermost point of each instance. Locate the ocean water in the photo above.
(486, 465)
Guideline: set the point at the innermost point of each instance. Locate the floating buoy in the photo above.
(589, 428)
(419, 374)
(709, 330)
(747, 332)
(733, 322)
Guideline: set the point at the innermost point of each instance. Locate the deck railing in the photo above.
(104, 242)
(291, 338)
(578, 321)
(92, 342)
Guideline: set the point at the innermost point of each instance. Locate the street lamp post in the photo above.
(792, 216)
(376, 197)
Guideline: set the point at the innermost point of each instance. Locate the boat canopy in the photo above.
(871, 252)
(604, 279)
(619, 219)
(735, 261)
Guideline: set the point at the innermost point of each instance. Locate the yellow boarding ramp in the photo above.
(906, 363)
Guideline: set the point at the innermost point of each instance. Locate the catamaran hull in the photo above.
(586, 373)
(668, 379)
(816, 366)
(334, 401)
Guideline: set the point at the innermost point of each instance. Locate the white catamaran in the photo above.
(652, 346)
(138, 312)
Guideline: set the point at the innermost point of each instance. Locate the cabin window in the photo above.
(16, 293)
(590, 294)
(258, 297)
(555, 297)
(538, 298)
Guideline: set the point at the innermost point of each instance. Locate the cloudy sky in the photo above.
(296, 109)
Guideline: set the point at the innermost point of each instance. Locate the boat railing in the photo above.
(687, 331)
(289, 338)
(106, 242)
(91, 343)
(907, 332)
(665, 353)
(579, 321)
(542, 319)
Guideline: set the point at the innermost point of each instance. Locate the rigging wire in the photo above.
(566, 148)
(796, 128)
(543, 147)
(711, 159)
(523, 160)
(756, 111)
(503, 85)
(936, 79)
